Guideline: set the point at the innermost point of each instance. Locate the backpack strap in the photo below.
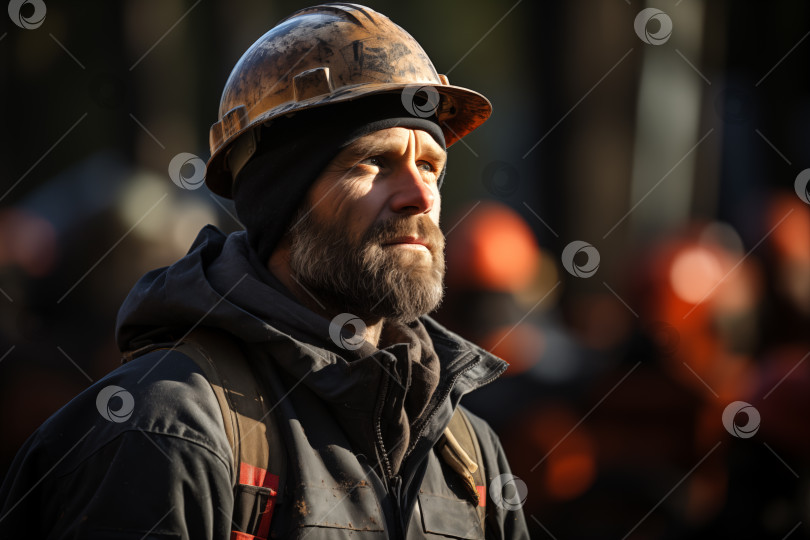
(259, 458)
(460, 449)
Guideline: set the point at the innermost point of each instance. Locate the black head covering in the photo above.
(292, 152)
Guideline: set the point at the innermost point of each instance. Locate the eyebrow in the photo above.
(370, 148)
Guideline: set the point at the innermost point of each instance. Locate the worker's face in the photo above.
(367, 240)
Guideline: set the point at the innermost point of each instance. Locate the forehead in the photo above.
(395, 139)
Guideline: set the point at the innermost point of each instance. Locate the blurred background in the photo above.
(630, 231)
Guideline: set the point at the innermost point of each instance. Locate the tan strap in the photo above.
(250, 426)
(460, 450)
(258, 455)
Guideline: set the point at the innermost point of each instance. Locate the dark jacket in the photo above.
(359, 426)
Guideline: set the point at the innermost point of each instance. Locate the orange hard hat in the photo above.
(328, 54)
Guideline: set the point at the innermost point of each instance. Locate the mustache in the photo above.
(420, 226)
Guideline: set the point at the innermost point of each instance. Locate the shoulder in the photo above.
(162, 393)
(481, 427)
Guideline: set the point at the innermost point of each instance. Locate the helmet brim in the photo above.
(459, 112)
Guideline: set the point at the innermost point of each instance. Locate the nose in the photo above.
(413, 195)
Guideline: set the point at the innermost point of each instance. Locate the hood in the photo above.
(221, 283)
(217, 284)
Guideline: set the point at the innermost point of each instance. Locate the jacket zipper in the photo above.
(393, 484)
(388, 472)
(445, 393)
(427, 420)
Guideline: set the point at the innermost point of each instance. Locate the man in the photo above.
(335, 165)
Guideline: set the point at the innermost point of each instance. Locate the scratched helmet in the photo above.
(324, 55)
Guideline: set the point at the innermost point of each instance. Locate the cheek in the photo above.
(436, 211)
(347, 205)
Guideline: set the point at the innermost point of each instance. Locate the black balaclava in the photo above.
(292, 151)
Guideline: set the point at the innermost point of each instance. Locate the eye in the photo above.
(374, 161)
(426, 166)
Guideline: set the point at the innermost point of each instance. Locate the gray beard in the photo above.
(365, 278)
